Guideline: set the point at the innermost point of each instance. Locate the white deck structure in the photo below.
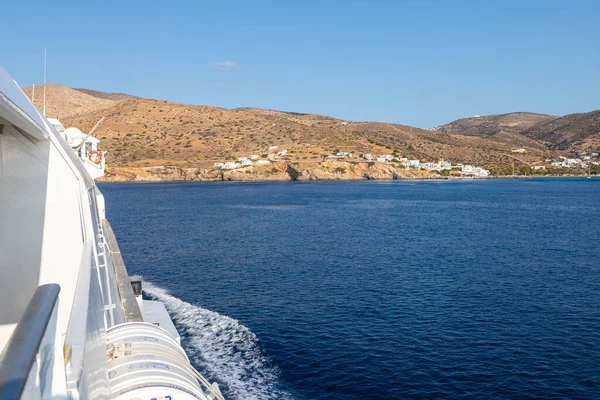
(68, 309)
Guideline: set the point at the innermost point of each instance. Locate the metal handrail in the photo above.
(204, 382)
(21, 350)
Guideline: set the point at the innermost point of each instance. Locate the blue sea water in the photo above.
(375, 290)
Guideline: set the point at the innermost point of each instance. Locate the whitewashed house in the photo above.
(475, 171)
(343, 154)
(467, 170)
(444, 164)
(414, 163)
(282, 153)
(367, 157)
(231, 165)
(244, 161)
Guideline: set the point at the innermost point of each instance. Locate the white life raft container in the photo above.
(144, 361)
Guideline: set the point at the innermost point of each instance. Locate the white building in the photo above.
(273, 148)
(444, 165)
(367, 156)
(438, 166)
(231, 165)
(414, 163)
(468, 170)
(388, 157)
(254, 157)
(521, 151)
(474, 171)
(282, 153)
(245, 161)
(263, 162)
(218, 165)
(343, 154)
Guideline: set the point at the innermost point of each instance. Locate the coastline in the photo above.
(284, 172)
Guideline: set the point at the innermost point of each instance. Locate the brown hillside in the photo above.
(108, 96)
(573, 131)
(63, 102)
(301, 118)
(431, 145)
(509, 127)
(151, 132)
(146, 133)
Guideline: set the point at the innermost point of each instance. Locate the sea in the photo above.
(375, 289)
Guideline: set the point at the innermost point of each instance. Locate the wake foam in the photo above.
(223, 350)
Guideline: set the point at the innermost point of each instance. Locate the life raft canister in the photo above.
(95, 157)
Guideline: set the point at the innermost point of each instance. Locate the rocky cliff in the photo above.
(336, 170)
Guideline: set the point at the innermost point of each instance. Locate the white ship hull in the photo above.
(71, 325)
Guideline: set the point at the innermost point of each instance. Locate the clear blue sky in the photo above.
(417, 62)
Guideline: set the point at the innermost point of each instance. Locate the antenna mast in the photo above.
(44, 81)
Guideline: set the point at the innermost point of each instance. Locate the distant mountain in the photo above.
(490, 125)
(573, 132)
(509, 127)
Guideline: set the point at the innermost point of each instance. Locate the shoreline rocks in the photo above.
(327, 170)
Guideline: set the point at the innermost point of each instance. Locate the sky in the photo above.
(416, 62)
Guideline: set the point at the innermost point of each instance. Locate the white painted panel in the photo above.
(23, 171)
(63, 238)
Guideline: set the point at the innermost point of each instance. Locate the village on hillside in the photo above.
(442, 167)
(582, 161)
(439, 166)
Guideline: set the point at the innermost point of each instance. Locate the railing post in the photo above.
(20, 361)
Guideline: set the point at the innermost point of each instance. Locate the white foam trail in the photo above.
(223, 350)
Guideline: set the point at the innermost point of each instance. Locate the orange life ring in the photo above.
(95, 157)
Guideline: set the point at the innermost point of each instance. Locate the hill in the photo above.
(571, 133)
(146, 133)
(579, 132)
(509, 127)
(63, 102)
(107, 96)
(489, 152)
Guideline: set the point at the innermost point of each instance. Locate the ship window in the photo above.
(88, 147)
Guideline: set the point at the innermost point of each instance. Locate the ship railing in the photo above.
(32, 364)
(212, 390)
